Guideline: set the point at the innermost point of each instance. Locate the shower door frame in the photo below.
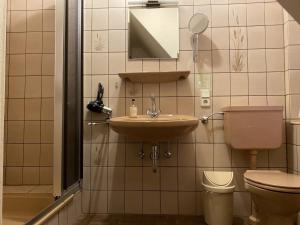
(60, 96)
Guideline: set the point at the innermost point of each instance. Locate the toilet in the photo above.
(275, 194)
(218, 197)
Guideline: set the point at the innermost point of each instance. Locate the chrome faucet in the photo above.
(153, 112)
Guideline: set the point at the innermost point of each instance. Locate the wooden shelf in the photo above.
(155, 77)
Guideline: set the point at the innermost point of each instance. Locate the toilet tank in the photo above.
(253, 127)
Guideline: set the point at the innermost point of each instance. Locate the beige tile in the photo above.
(49, 20)
(257, 84)
(275, 59)
(133, 202)
(116, 18)
(273, 13)
(168, 178)
(204, 155)
(48, 42)
(187, 203)
(185, 105)
(47, 109)
(14, 154)
(222, 156)
(33, 109)
(239, 84)
(116, 155)
(100, 63)
(33, 64)
(152, 181)
(17, 5)
(17, 65)
(34, 5)
(18, 21)
(132, 155)
(15, 109)
(16, 87)
(15, 131)
(221, 84)
(186, 87)
(13, 175)
(33, 87)
(219, 15)
(32, 132)
(46, 158)
(99, 201)
(133, 178)
(99, 41)
(256, 37)
(46, 175)
(257, 60)
(31, 175)
(99, 178)
(32, 154)
(100, 16)
(47, 131)
(255, 14)
(220, 38)
(47, 86)
(35, 20)
(116, 202)
(48, 4)
(150, 89)
(186, 179)
(116, 178)
(274, 36)
(34, 42)
(151, 202)
(48, 64)
(169, 203)
(168, 89)
(275, 82)
(17, 43)
(186, 155)
(221, 60)
(168, 105)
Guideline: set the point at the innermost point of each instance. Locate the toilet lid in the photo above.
(273, 178)
(219, 178)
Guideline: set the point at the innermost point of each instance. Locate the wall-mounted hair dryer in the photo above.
(98, 105)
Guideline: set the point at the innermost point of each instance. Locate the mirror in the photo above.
(197, 25)
(153, 33)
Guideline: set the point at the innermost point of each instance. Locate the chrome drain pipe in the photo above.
(155, 157)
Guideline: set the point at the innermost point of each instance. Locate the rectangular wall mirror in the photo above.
(153, 33)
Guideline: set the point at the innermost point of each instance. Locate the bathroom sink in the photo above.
(153, 130)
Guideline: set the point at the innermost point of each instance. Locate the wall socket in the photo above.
(205, 102)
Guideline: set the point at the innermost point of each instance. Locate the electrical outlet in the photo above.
(205, 102)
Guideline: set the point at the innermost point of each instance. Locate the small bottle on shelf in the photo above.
(133, 109)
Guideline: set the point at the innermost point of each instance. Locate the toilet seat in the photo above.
(273, 180)
(218, 181)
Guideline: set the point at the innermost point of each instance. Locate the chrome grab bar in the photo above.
(205, 119)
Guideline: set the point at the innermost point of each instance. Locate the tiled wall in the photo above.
(292, 73)
(29, 92)
(115, 180)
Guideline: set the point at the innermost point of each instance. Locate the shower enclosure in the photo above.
(43, 117)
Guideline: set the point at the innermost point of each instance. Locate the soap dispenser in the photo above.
(133, 109)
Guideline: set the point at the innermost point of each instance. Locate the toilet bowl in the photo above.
(218, 197)
(276, 197)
